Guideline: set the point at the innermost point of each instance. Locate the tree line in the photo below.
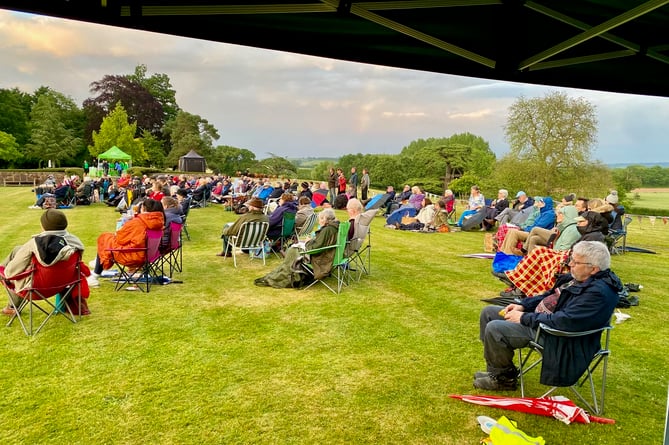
(551, 140)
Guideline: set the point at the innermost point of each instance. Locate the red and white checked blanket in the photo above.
(501, 233)
(535, 274)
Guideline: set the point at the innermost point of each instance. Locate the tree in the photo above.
(160, 88)
(15, 114)
(50, 140)
(275, 166)
(189, 132)
(230, 160)
(551, 140)
(141, 107)
(116, 130)
(9, 149)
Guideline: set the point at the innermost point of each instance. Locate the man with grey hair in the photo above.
(582, 300)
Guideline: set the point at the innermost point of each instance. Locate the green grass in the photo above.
(218, 360)
(652, 200)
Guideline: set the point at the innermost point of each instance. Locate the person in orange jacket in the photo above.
(132, 234)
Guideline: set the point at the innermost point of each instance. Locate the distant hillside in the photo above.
(644, 164)
(311, 162)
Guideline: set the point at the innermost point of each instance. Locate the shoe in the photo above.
(493, 382)
(92, 281)
(480, 374)
(390, 226)
(34, 207)
(8, 310)
(261, 282)
(513, 293)
(225, 254)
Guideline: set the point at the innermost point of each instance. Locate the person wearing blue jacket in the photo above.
(544, 219)
(583, 300)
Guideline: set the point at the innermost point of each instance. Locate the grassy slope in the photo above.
(217, 360)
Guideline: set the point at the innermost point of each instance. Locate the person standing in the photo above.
(86, 169)
(364, 184)
(333, 183)
(353, 182)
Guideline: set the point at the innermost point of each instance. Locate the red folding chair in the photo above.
(139, 274)
(62, 281)
(172, 254)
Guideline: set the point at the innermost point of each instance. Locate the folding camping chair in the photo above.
(339, 263)
(61, 280)
(595, 400)
(143, 273)
(617, 239)
(287, 231)
(307, 228)
(251, 237)
(360, 253)
(172, 253)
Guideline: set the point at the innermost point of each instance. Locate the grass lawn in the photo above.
(652, 200)
(218, 360)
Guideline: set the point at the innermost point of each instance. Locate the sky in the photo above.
(297, 106)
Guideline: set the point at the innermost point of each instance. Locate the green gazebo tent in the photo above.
(116, 154)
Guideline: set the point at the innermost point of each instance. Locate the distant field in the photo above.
(651, 198)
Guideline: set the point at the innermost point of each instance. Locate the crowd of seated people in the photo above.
(409, 207)
(430, 218)
(545, 252)
(543, 217)
(540, 214)
(518, 212)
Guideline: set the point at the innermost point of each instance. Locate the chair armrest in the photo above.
(559, 333)
(320, 249)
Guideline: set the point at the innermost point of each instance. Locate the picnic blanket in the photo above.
(535, 274)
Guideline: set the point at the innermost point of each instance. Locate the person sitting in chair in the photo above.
(304, 211)
(132, 234)
(254, 213)
(287, 204)
(53, 244)
(476, 203)
(580, 301)
(284, 275)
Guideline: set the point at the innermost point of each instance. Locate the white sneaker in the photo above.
(93, 281)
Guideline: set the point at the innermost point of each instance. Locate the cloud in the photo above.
(295, 105)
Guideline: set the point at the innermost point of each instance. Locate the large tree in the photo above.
(161, 89)
(551, 141)
(15, 114)
(50, 138)
(189, 132)
(229, 160)
(9, 150)
(141, 106)
(116, 130)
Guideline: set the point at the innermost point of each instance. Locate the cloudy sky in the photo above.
(298, 106)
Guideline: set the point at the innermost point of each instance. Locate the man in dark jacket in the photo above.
(581, 301)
